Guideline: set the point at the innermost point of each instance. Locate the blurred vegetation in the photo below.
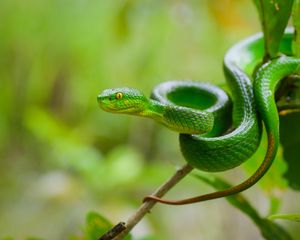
(62, 157)
(269, 230)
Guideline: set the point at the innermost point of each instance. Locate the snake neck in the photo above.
(154, 110)
(179, 118)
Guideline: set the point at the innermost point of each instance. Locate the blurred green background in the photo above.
(61, 156)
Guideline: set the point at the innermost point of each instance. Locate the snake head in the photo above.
(122, 100)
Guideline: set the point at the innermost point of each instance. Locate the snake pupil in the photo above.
(119, 95)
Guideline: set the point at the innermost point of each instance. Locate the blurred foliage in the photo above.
(96, 226)
(289, 123)
(274, 181)
(291, 217)
(268, 229)
(62, 157)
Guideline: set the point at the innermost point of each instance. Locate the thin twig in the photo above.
(146, 206)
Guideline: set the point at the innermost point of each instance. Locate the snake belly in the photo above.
(222, 150)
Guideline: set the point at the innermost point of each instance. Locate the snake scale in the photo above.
(218, 132)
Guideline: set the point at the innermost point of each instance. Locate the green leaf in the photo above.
(274, 16)
(97, 225)
(289, 124)
(288, 103)
(296, 23)
(291, 217)
(290, 141)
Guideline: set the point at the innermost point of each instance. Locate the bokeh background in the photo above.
(61, 156)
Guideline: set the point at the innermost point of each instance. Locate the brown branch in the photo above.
(146, 206)
(113, 232)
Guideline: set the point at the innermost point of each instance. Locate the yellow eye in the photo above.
(119, 95)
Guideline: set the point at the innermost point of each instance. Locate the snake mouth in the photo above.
(109, 108)
(125, 110)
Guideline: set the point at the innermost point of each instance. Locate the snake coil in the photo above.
(215, 133)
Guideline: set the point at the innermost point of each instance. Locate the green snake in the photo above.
(218, 132)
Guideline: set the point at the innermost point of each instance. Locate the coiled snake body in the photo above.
(212, 136)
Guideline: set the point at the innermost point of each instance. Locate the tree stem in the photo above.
(146, 206)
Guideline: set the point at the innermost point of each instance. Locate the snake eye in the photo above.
(119, 95)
